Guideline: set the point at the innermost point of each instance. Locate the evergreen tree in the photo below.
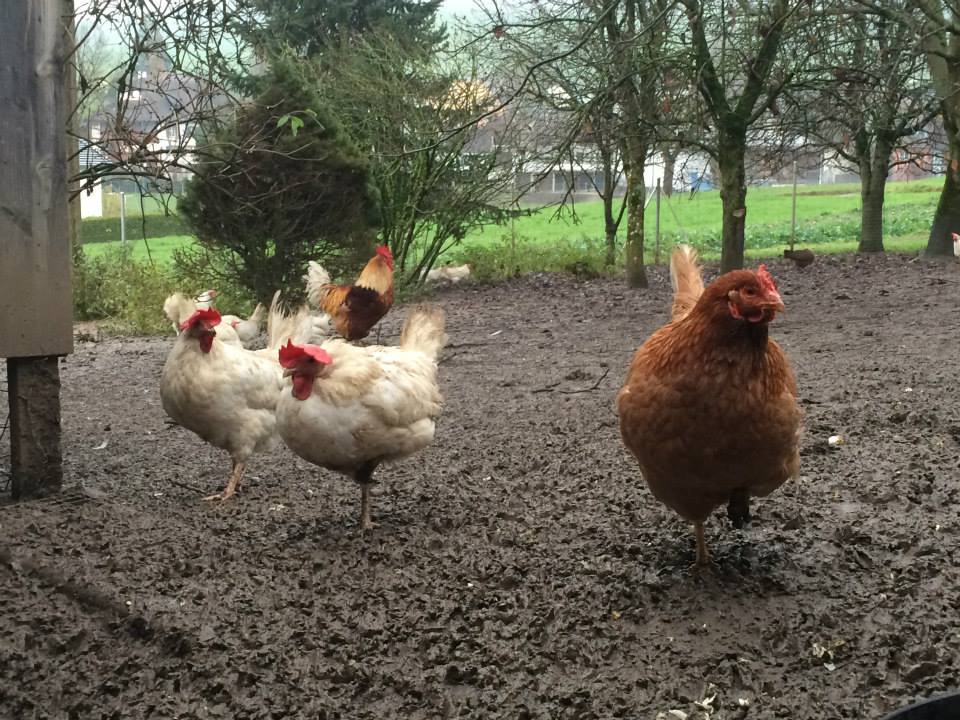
(282, 185)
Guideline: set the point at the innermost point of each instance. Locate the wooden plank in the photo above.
(35, 258)
(35, 458)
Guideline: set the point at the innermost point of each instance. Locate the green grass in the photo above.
(828, 218)
(684, 216)
(159, 249)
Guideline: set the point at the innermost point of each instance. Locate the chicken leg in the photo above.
(233, 485)
(738, 508)
(364, 477)
(703, 555)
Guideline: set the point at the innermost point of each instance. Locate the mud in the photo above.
(521, 569)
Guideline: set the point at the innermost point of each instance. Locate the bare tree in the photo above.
(434, 186)
(569, 105)
(151, 74)
(873, 106)
(611, 53)
(739, 59)
(936, 25)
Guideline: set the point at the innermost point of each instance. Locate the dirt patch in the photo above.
(522, 569)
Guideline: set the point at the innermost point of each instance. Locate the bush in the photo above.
(503, 259)
(128, 294)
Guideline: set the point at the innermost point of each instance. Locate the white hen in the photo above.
(178, 307)
(350, 408)
(223, 393)
(247, 330)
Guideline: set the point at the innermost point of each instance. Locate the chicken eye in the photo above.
(749, 291)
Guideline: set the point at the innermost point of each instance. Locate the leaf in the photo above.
(283, 121)
(295, 125)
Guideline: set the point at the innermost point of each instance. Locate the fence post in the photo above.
(793, 211)
(36, 41)
(656, 249)
(123, 219)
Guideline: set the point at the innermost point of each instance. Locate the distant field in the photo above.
(159, 249)
(827, 216)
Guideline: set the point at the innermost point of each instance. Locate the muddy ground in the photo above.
(522, 569)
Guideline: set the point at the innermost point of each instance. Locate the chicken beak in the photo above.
(774, 302)
(288, 372)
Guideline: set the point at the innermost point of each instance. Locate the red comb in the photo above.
(766, 279)
(290, 354)
(209, 318)
(385, 251)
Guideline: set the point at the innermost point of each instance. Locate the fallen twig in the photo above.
(186, 486)
(589, 389)
(547, 388)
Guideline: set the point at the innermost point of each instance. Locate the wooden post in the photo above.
(656, 259)
(793, 209)
(36, 324)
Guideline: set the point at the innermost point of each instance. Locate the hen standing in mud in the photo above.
(709, 406)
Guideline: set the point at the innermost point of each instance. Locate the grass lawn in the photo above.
(685, 214)
(160, 249)
(827, 216)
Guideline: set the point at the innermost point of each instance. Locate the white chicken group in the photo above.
(343, 407)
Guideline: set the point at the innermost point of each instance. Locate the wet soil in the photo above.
(522, 568)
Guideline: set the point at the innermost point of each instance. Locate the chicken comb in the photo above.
(209, 318)
(384, 251)
(290, 354)
(766, 279)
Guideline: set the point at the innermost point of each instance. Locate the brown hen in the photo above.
(709, 405)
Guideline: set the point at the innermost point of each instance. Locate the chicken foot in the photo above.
(236, 477)
(364, 477)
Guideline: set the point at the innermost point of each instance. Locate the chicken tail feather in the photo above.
(686, 280)
(177, 308)
(318, 283)
(256, 316)
(424, 331)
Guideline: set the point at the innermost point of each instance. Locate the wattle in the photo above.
(302, 386)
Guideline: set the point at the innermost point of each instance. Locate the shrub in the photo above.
(128, 294)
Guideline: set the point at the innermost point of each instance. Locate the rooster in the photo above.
(709, 405)
(349, 408)
(354, 309)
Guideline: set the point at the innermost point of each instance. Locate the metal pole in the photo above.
(793, 213)
(123, 219)
(656, 251)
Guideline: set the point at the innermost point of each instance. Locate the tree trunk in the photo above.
(608, 195)
(609, 227)
(635, 161)
(669, 168)
(946, 219)
(873, 183)
(733, 195)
